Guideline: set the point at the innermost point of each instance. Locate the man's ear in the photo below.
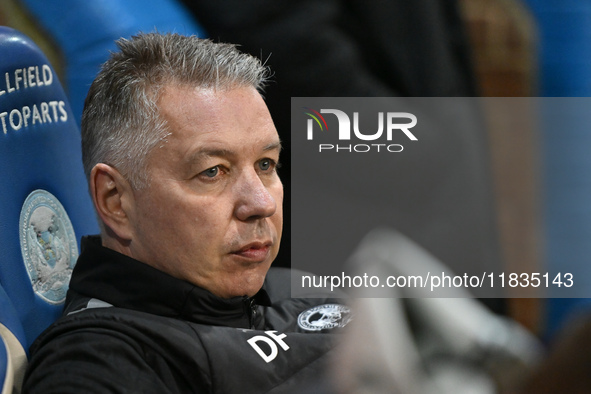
(113, 200)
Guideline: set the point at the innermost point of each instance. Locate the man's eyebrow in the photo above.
(274, 146)
(202, 153)
(215, 152)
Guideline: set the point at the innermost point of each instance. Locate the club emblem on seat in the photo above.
(324, 317)
(48, 245)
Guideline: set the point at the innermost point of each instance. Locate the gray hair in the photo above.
(121, 123)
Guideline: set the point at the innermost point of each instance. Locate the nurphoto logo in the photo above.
(390, 122)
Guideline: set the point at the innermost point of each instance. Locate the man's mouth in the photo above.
(255, 251)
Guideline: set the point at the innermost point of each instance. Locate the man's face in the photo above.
(212, 214)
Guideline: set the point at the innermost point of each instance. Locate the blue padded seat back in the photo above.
(44, 203)
(85, 31)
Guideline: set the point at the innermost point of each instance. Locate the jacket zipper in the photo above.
(251, 310)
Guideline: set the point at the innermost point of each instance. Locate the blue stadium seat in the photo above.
(44, 203)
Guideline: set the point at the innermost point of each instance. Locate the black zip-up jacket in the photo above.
(129, 328)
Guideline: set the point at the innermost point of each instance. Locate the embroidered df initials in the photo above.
(271, 341)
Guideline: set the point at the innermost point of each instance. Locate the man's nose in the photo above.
(253, 199)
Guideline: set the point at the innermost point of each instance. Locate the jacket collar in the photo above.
(124, 282)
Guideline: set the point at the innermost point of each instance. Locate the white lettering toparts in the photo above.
(45, 112)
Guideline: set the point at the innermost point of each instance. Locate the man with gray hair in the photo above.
(176, 294)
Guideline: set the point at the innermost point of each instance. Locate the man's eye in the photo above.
(211, 172)
(265, 164)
